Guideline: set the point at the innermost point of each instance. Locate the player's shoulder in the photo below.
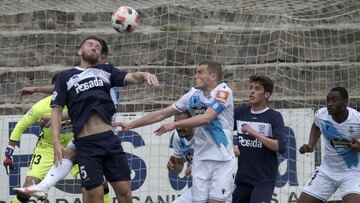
(353, 113)
(222, 93)
(42, 104)
(274, 112)
(223, 87)
(322, 111)
(242, 110)
(70, 72)
(106, 67)
(192, 91)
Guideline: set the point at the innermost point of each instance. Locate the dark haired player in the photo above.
(86, 91)
(262, 135)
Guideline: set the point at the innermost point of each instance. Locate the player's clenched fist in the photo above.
(306, 148)
(171, 163)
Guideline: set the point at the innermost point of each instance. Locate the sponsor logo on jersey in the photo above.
(199, 109)
(222, 96)
(262, 128)
(249, 143)
(339, 143)
(88, 85)
(351, 130)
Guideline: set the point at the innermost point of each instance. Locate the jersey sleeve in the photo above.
(316, 117)
(223, 98)
(31, 117)
(60, 92)
(279, 132)
(117, 77)
(181, 104)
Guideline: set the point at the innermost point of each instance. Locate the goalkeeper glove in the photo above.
(8, 160)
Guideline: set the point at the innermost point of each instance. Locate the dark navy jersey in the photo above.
(86, 91)
(257, 164)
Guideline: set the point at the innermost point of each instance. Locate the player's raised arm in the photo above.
(315, 134)
(42, 89)
(152, 117)
(30, 90)
(141, 77)
(192, 122)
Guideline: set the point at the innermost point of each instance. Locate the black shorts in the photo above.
(245, 193)
(101, 155)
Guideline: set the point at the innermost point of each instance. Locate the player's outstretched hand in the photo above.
(355, 145)
(151, 79)
(26, 90)
(165, 128)
(124, 126)
(306, 148)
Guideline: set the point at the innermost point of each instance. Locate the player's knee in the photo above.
(127, 195)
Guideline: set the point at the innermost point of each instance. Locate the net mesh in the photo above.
(306, 47)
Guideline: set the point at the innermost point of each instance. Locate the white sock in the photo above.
(54, 175)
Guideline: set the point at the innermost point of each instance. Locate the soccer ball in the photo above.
(125, 19)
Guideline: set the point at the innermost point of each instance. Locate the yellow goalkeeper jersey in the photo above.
(42, 108)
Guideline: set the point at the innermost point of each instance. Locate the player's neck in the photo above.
(259, 106)
(207, 90)
(339, 118)
(85, 64)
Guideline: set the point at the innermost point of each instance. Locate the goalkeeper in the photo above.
(43, 156)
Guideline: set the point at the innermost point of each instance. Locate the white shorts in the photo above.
(186, 197)
(323, 184)
(212, 180)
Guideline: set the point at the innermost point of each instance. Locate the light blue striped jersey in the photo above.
(338, 155)
(214, 140)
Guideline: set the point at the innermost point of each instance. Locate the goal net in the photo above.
(306, 47)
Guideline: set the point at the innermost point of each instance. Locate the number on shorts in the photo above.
(83, 173)
(313, 177)
(36, 159)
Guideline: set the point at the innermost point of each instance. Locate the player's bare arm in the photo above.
(55, 129)
(152, 117)
(30, 90)
(315, 134)
(236, 150)
(191, 122)
(271, 144)
(45, 121)
(141, 77)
